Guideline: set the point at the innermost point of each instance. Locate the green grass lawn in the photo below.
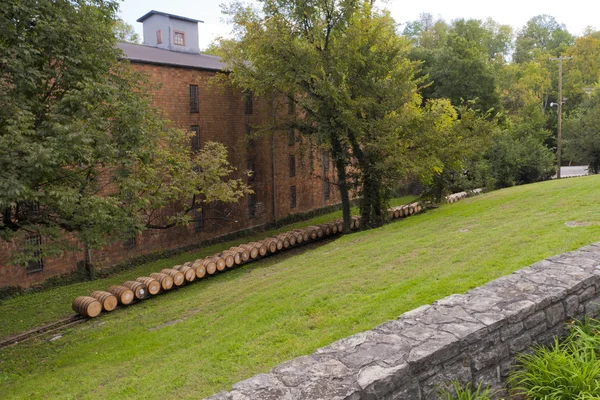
(198, 340)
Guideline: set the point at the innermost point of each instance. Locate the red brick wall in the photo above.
(221, 118)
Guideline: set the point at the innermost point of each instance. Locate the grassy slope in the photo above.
(196, 341)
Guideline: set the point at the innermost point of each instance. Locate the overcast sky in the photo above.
(575, 14)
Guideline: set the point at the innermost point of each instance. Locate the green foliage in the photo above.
(582, 133)
(125, 32)
(468, 392)
(541, 35)
(82, 150)
(567, 370)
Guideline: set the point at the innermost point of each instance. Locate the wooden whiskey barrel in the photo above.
(166, 282)
(210, 265)
(139, 289)
(178, 278)
(305, 234)
(87, 306)
(220, 262)
(262, 248)
(228, 258)
(243, 252)
(107, 299)
(124, 295)
(292, 238)
(334, 228)
(188, 273)
(287, 239)
(237, 256)
(252, 250)
(199, 267)
(340, 226)
(152, 284)
(271, 245)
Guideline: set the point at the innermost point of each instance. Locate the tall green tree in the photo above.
(541, 35)
(82, 151)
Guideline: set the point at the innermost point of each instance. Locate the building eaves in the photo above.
(153, 12)
(152, 55)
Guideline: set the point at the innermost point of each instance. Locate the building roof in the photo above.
(153, 55)
(151, 13)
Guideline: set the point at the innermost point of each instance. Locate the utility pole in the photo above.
(560, 103)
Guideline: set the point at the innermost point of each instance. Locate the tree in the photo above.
(82, 151)
(458, 64)
(542, 34)
(125, 32)
(344, 66)
(582, 133)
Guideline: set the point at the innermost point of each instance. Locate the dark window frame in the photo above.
(291, 137)
(198, 218)
(130, 241)
(252, 205)
(37, 264)
(251, 167)
(326, 189)
(326, 162)
(248, 102)
(292, 165)
(293, 197)
(194, 103)
(195, 139)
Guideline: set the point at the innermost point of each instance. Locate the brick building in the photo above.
(287, 178)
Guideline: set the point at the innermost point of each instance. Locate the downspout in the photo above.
(274, 200)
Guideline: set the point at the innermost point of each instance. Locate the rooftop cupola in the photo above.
(170, 32)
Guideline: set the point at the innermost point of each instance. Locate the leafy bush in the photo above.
(567, 370)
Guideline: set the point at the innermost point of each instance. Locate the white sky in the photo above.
(575, 14)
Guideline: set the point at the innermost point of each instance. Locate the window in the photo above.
(291, 137)
(325, 162)
(292, 196)
(36, 264)
(326, 191)
(292, 166)
(130, 241)
(193, 98)
(249, 138)
(198, 218)
(158, 37)
(291, 105)
(252, 205)
(179, 38)
(251, 169)
(248, 97)
(195, 129)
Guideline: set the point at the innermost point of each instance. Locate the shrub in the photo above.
(567, 370)
(468, 393)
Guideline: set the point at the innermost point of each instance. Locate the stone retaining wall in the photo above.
(472, 337)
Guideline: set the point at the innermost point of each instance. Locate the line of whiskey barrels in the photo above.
(166, 279)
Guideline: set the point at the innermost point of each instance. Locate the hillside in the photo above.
(197, 341)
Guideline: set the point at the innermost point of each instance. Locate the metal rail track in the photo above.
(52, 327)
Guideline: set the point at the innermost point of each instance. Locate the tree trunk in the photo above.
(340, 166)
